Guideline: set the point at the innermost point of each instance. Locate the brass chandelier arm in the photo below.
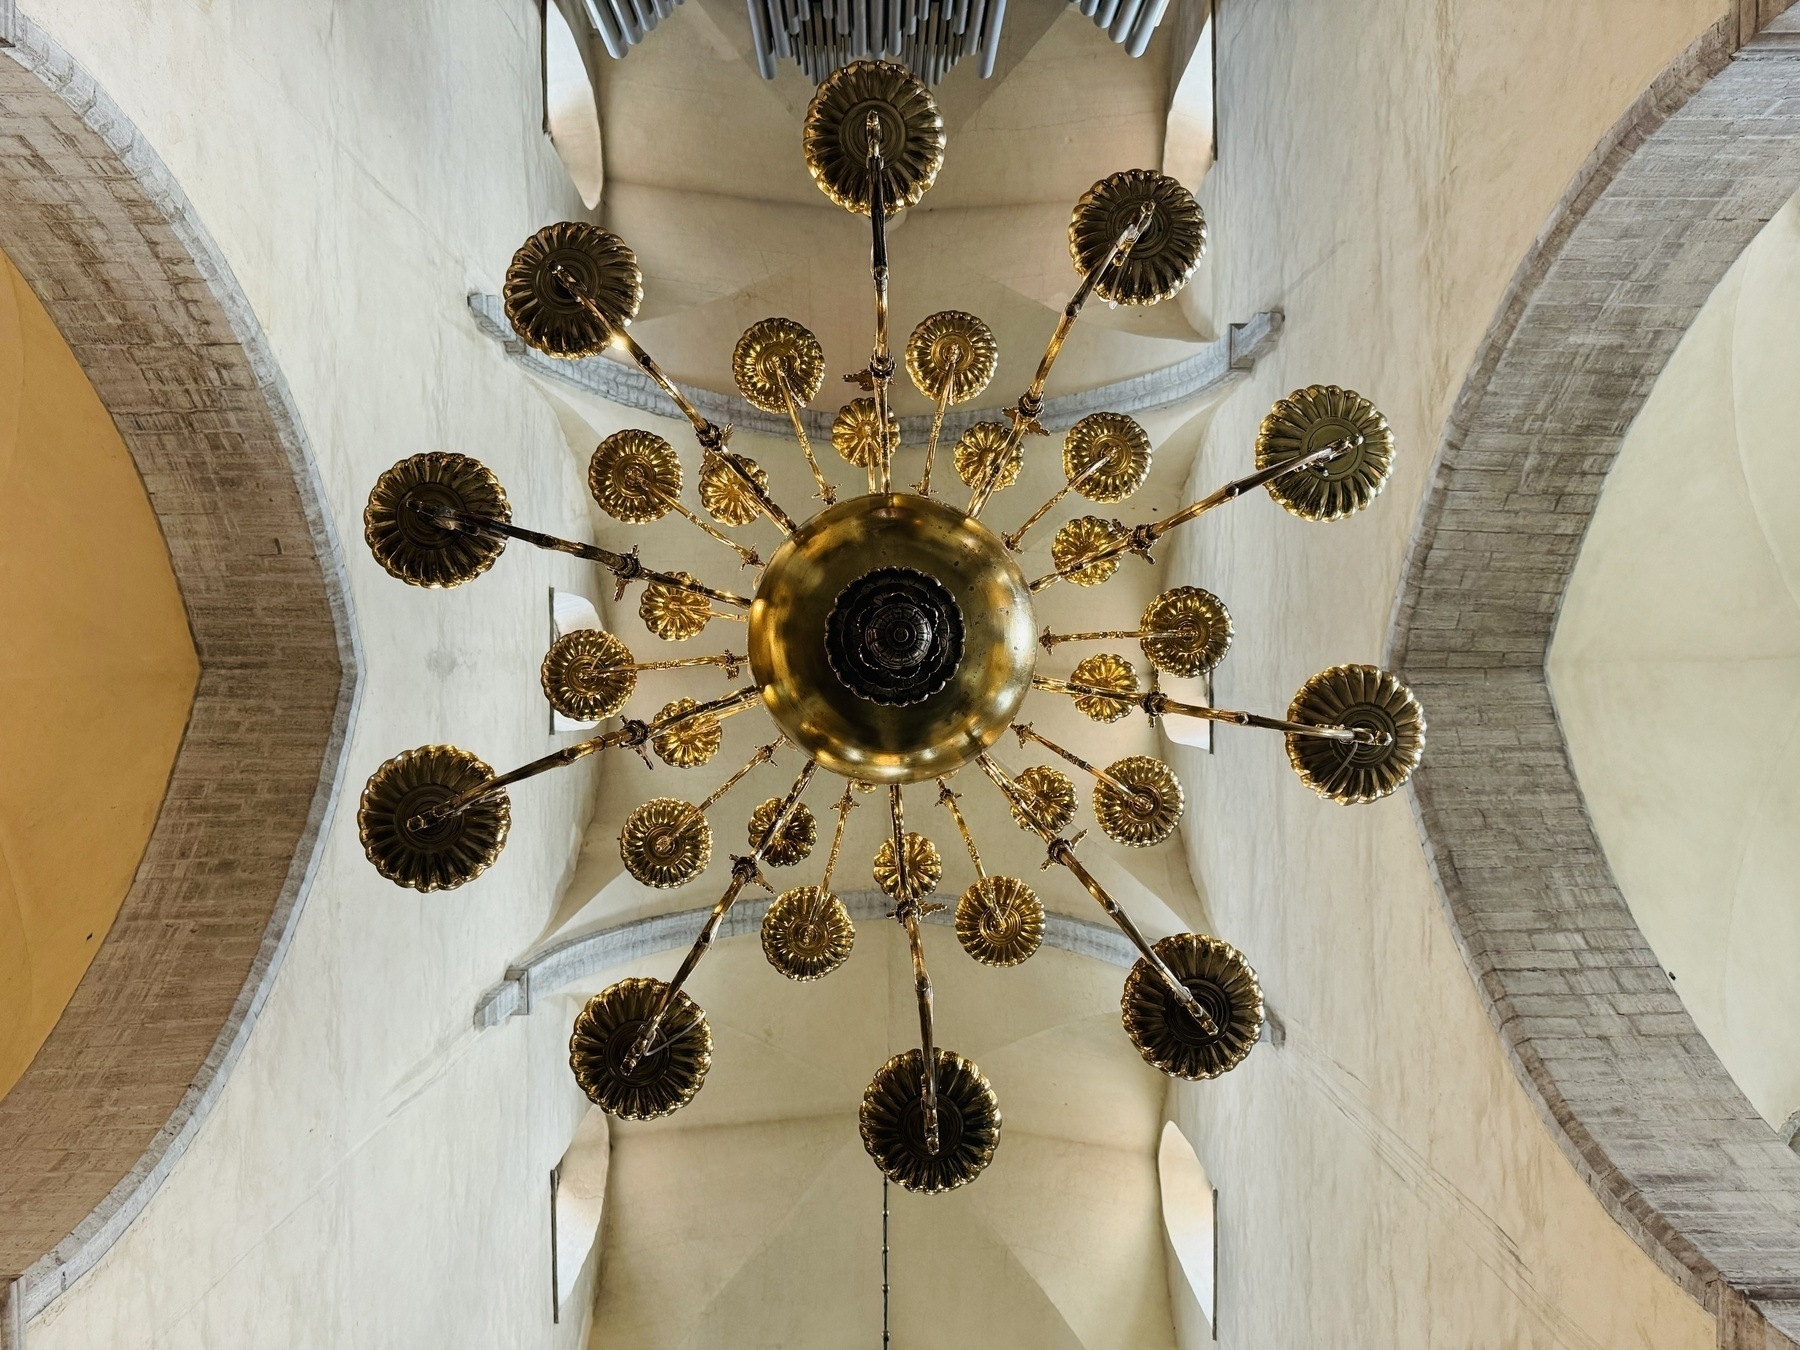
(763, 755)
(1062, 853)
(1049, 641)
(948, 799)
(1013, 540)
(624, 566)
(1143, 538)
(719, 707)
(744, 551)
(827, 493)
(631, 733)
(843, 806)
(1025, 733)
(744, 870)
(1024, 414)
(881, 362)
(937, 420)
(1157, 704)
(710, 436)
(730, 661)
(909, 915)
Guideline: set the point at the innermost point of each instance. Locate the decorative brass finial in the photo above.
(984, 449)
(1082, 538)
(1224, 986)
(924, 868)
(588, 675)
(673, 614)
(1111, 672)
(773, 353)
(1309, 419)
(1149, 812)
(547, 314)
(443, 854)
(666, 842)
(1050, 796)
(723, 493)
(691, 742)
(1106, 456)
(893, 1122)
(1164, 256)
(836, 135)
(400, 522)
(658, 1083)
(1186, 631)
(795, 842)
(807, 933)
(1363, 698)
(951, 348)
(999, 921)
(853, 433)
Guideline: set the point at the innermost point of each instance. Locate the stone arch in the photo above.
(1596, 1033)
(167, 339)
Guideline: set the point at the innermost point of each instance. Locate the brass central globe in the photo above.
(892, 638)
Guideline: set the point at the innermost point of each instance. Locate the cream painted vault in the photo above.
(376, 1171)
(1676, 669)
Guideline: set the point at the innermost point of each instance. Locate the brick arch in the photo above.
(1628, 1086)
(106, 239)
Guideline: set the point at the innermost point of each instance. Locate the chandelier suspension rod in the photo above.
(906, 909)
(1142, 538)
(826, 493)
(1024, 414)
(1062, 852)
(624, 566)
(1025, 732)
(1013, 540)
(937, 419)
(744, 870)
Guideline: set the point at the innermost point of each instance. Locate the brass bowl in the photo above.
(1187, 631)
(674, 614)
(892, 1119)
(1310, 418)
(690, 744)
(1150, 813)
(1363, 697)
(1220, 980)
(587, 676)
(663, 1081)
(1051, 793)
(542, 310)
(442, 856)
(666, 842)
(855, 736)
(999, 921)
(771, 350)
(795, 842)
(1082, 538)
(924, 868)
(807, 933)
(951, 345)
(1165, 255)
(723, 493)
(634, 476)
(836, 137)
(978, 449)
(1114, 440)
(415, 548)
(853, 433)
(1110, 671)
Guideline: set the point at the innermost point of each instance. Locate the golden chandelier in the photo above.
(891, 640)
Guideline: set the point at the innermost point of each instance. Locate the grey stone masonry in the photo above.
(1595, 1030)
(110, 246)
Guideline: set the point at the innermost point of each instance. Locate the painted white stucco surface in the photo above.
(1676, 668)
(376, 1173)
